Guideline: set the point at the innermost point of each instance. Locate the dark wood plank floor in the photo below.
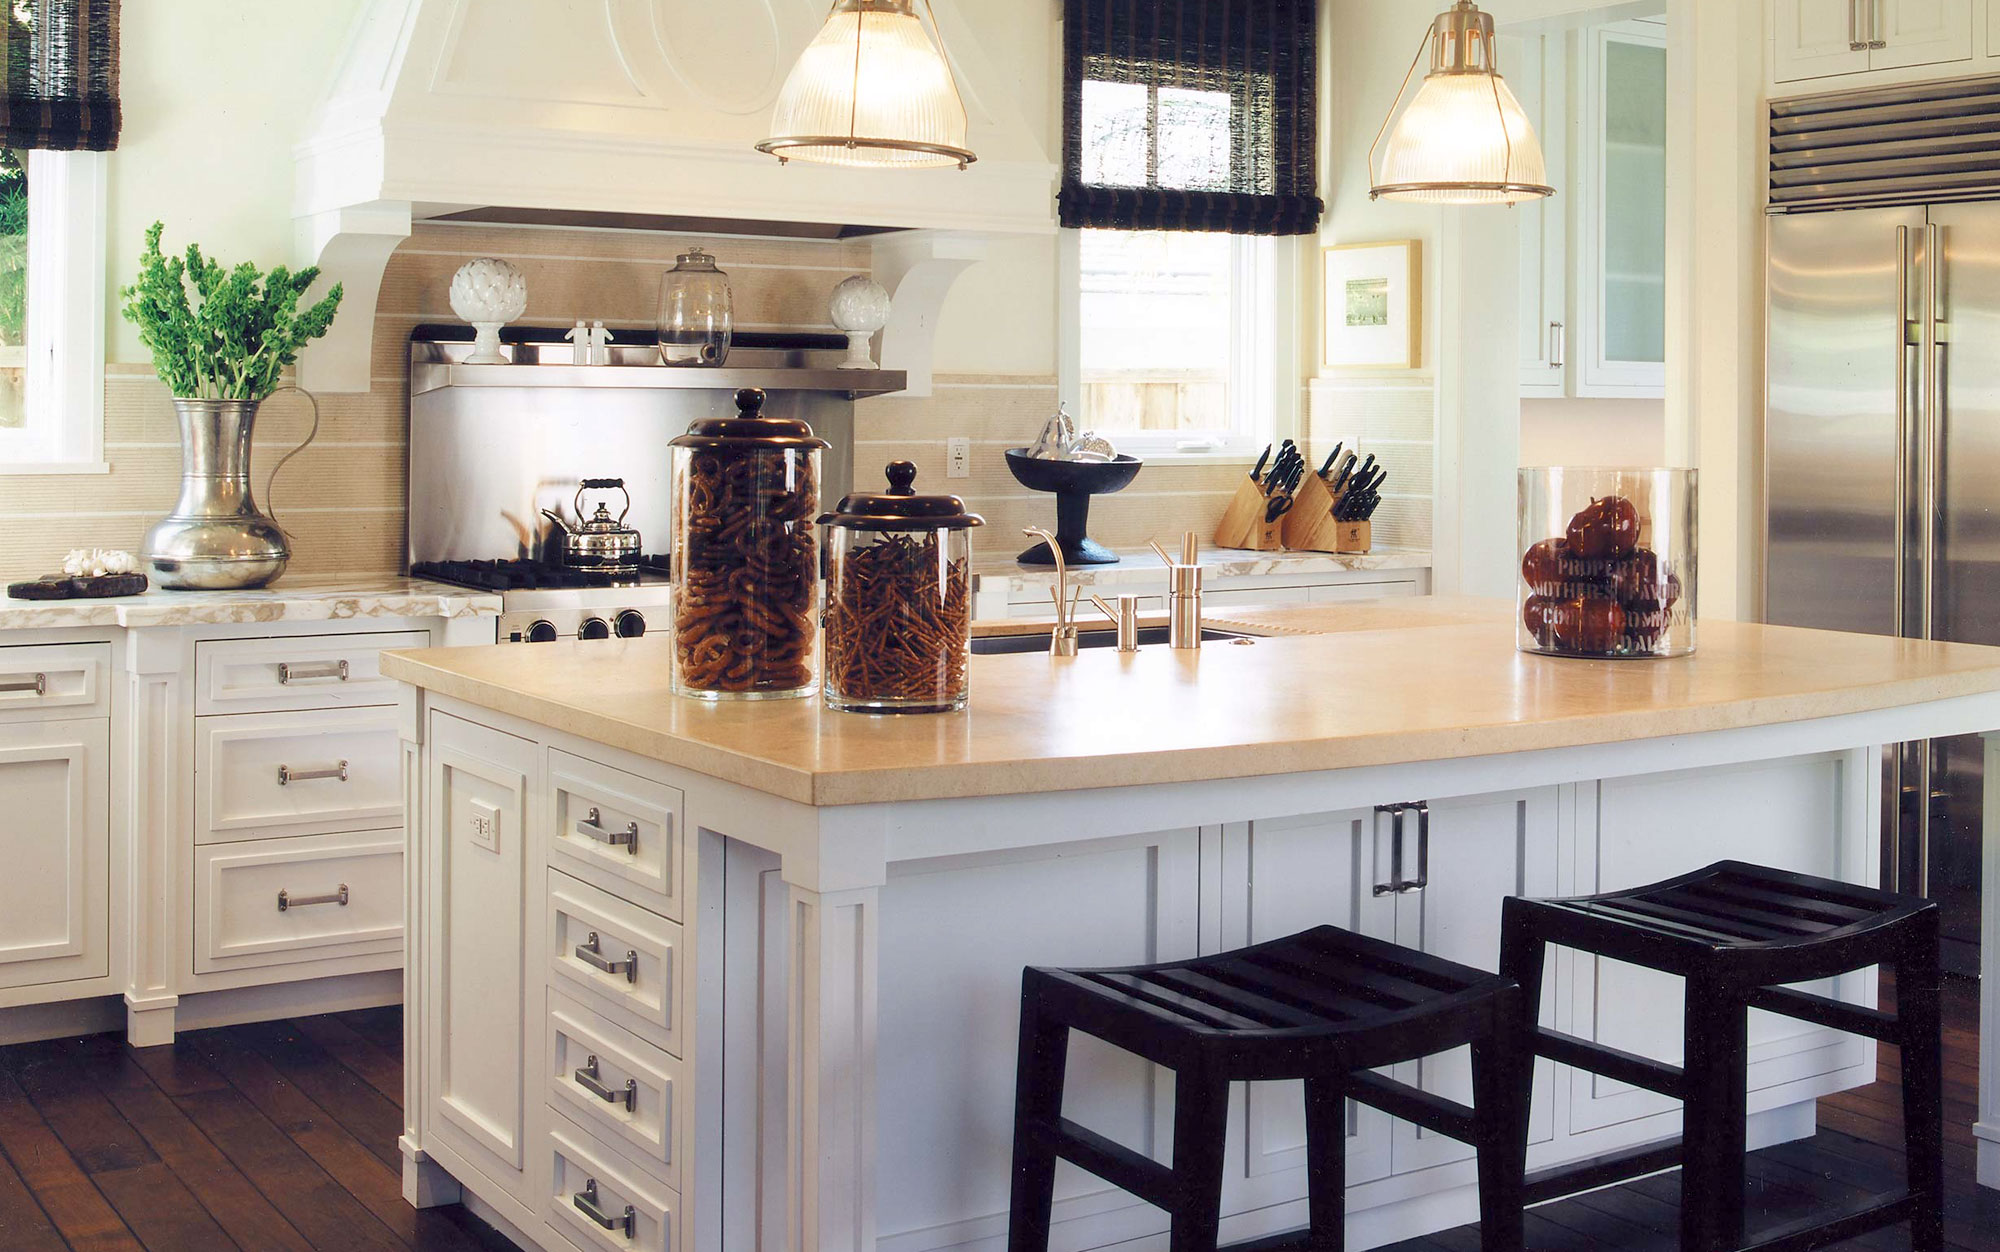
(282, 1137)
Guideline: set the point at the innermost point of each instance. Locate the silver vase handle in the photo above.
(271, 483)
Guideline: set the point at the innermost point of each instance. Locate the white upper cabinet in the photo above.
(1819, 39)
(1592, 316)
(1536, 69)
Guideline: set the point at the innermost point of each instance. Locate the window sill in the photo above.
(9, 469)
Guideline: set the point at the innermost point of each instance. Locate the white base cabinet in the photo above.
(199, 810)
(821, 1039)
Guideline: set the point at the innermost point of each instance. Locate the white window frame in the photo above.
(1263, 355)
(64, 433)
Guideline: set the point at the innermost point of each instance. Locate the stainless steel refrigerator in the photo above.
(1882, 455)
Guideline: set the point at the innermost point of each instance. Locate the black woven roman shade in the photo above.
(62, 75)
(1191, 115)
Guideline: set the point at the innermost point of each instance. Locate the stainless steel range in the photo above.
(496, 449)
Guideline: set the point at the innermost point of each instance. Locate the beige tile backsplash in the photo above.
(342, 498)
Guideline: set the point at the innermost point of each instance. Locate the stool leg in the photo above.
(1714, 1117)
(1921, 1030)
(1038, 1092)
(1326, 1164)
(1201, 1123)
(1497, 1062)
(1523, 958)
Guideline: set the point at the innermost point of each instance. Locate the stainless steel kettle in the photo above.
(600, 541)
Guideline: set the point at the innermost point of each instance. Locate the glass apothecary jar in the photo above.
(746, 555)
(1607, 562)
(696, 313)
(898, 600)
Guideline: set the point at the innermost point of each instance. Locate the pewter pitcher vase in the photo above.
(216, 538)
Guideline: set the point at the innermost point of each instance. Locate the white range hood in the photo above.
(639, 110)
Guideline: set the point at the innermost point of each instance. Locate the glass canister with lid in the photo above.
(696, 314)
(898, 600)
(746, 555)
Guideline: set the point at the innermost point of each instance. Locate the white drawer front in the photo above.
(618, 831)
(64, 680)
(589, 929)
(301, 672)
(613, 1082)
(265, 775)
(590, 1185)
(283, 901)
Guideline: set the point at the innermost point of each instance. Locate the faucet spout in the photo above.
(1062, 641)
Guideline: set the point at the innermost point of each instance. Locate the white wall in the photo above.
(214, 94)
(1593, 432)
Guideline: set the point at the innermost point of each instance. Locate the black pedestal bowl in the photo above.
(1073, 483)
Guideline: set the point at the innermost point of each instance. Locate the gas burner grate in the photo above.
(524, 575)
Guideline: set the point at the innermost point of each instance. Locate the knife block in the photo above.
(1243, 525)
(1356, 538)
(1310, 527)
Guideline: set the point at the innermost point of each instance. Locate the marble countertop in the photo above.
(291, 600)
(1421, 681)
(1145, 568)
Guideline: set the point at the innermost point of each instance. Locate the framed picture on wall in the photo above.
(1373, 316)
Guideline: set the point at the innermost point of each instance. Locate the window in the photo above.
(1176, 336)
(51, 311)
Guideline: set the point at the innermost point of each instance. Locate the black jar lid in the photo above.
(901, 508)
(750, 428)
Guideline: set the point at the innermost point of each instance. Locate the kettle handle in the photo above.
(602, 484)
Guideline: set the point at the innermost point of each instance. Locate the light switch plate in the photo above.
(958, 458)
(485, 826)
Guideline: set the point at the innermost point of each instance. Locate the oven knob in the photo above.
(631, 624)
(594, 628)
(542, 632)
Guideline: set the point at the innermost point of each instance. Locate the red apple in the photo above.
(1605, 527)
(1599, 625)
(1540, 615)
(1638, 577)
(1542, 567)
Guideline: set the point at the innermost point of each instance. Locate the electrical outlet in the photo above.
(958, 458)
(485, 826)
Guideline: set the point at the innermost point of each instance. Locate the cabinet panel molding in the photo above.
(55, 895)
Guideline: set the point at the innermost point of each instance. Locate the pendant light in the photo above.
(875, 89)
(1464, 138)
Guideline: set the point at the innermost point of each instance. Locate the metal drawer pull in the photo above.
(319, 672)
(586, 1201)
(39, 684)
(287, 775)
(592, 955)
(588, 1079)
(287, 901)
(592, 827)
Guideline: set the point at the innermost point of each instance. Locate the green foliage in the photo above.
(13, 251)
(215, 333)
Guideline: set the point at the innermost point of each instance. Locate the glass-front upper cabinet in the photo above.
(1593, 259)
(1623, 201)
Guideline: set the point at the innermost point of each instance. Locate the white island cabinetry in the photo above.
(813, 1029)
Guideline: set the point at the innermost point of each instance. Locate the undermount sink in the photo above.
(999, 645)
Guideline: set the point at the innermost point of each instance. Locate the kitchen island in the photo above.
(746, 975)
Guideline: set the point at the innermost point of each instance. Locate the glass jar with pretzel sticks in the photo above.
(746, 555)
(898, 600)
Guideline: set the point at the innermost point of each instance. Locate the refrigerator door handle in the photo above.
(1933, 362)
(1903, 432)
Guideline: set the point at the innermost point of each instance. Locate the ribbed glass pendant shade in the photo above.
(1464, 138)
(872, 89)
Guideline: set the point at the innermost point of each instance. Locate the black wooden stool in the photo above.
(1736, 933)
(1325, 1006)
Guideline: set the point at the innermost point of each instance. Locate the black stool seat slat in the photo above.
(1324, 1006)
(1739, 934)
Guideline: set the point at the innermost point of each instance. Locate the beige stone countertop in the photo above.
(1425, 682)
(290, 600)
